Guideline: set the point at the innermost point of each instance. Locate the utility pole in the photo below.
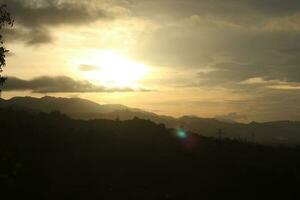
(253, 136)
(220, 133)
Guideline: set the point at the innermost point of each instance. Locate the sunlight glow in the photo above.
(114, 70)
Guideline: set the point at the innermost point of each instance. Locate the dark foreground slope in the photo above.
(50, 156)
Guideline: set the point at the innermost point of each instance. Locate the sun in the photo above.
(112, 69)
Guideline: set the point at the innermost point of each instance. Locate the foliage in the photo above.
(5, 19)
(50, 156)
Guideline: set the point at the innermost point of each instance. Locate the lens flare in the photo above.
(188, 140)
(191, 142)
(181, 134)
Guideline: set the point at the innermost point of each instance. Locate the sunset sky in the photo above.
(233, 58)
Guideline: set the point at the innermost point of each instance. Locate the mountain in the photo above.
(51, 156)
(64, 105)
(280, 132)
(84, 109)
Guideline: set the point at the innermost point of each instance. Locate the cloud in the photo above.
(59, 84)
(285, 87)
(235, 39)
(52, 12)
(10, 54)
(235, 48)
(259, 14)
(237, 75)
(39, 36)
(231, 117)
(230, 71)
(86, 68)
(272, 83)
(274, 105)
(29, 36)
(257, 81)
(33, 19)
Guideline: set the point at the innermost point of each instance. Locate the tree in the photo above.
(5, 20)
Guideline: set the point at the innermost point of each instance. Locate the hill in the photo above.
(275, 133)
(64, 105)
(50, 156)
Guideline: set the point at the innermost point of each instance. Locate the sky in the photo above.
(236, 59)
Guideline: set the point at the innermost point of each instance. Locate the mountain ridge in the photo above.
(278, 132)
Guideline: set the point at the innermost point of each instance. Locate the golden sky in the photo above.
(172, 57)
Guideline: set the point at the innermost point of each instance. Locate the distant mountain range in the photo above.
(279, 132)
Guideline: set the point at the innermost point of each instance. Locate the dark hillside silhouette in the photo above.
(275, 133)
(65, 105)
(50, 156)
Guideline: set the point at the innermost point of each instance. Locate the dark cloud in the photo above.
(233, 74)
(39, 36)
(291, 50)
(30, 37)
(273, 105)
(34, 18)
(250, 38)
(53, 12)
(88, 68)
(230, 71)
(59, 84)
(275, 7)
(228, 9)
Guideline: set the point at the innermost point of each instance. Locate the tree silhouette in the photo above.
(5, 20)
(52, 156)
